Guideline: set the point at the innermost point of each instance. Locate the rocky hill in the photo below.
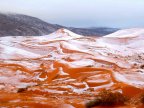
(23, 25)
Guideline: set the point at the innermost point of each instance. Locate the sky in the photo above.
(81, 13)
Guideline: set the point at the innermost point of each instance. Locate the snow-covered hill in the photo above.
(134, 32)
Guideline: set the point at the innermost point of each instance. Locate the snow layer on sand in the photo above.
(134, 32)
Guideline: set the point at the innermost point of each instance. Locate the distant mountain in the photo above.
(98, 31)
(23, 25)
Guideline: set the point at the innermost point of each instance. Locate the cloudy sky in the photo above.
(81, 13)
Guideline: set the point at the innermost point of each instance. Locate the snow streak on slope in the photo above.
(64, 68)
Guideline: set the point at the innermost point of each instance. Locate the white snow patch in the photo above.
(135, 32)
(9, 52)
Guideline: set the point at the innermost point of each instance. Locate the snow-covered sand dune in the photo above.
(64, 68)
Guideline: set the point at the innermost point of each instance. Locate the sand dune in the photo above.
(66, 70)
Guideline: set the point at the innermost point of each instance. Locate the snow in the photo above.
(61, 34)
(103, 52)
(74, 35)
(8, 52)
(134, 32)
(82, 63)
(134, 79)
(9, 48)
